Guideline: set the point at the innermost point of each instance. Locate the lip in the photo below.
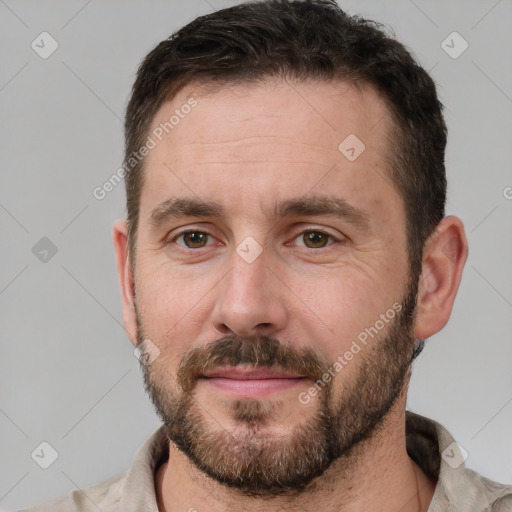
(250, 374)
(251, 383)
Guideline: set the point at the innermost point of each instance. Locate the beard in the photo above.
(250, 458)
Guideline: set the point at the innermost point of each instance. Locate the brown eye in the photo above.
(193, 239)
(315, 239)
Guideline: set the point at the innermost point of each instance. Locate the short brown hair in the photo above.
(303, 39)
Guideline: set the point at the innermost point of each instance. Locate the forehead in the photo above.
(320, 112)
(267, 139)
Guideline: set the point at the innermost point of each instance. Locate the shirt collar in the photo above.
(441, 458)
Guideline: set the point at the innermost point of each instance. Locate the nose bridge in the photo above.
(246, 279)
(248, 299)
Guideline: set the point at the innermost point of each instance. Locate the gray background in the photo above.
(68, 375)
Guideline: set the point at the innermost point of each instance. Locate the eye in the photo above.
(314, 239)
(193, 239)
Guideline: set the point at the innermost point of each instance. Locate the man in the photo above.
(284, 258)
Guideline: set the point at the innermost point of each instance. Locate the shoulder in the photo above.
(104, 496)
(503, 504)
(459, 488)
(499, 496)
(122, 492)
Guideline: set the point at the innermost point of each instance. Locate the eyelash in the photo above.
(302, 233)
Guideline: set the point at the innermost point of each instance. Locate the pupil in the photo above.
(315, 238)
(195, 238)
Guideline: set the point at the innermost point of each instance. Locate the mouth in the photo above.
(251, 382)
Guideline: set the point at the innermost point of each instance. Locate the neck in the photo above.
(377, 475)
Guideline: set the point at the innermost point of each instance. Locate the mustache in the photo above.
(256, 350)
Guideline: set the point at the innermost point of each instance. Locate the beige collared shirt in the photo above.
(458, 489)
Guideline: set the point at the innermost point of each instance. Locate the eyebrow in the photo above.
(303, 206)
(321, 205)
(182, 207)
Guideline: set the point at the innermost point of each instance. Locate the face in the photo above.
(271, 255)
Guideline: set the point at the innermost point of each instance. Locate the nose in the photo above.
(250, 299)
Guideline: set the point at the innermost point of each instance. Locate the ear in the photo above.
(126, 278)
(444, 256)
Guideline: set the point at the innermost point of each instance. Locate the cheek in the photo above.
(334, 311)
(172, 307)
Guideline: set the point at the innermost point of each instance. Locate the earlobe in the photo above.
(126, 278)
(444, 256)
